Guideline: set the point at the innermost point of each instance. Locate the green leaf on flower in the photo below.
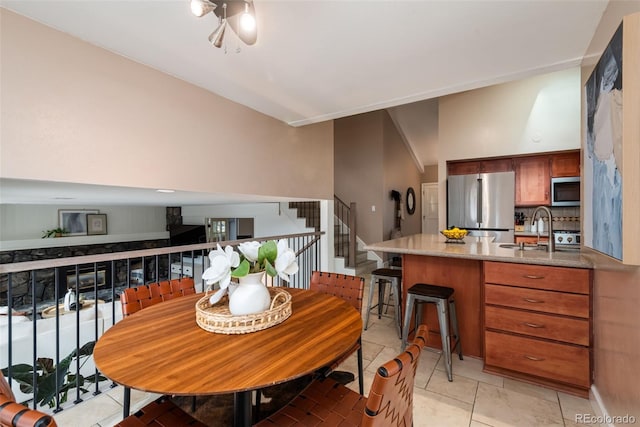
(270, 269)
(241, 270)
(268, 251)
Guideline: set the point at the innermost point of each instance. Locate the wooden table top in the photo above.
(161, 349)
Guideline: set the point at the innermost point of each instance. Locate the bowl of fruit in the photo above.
(454, 235)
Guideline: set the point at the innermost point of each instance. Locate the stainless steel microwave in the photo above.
(565, 191)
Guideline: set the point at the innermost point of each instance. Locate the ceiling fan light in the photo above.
(247, 20)
(218, 35)
(201, 7)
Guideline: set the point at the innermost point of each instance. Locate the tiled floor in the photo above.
(473, 399)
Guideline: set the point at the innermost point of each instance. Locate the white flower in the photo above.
(221, 264)
(250, 250)
(285, 261)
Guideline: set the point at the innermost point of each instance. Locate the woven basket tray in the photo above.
(218, 318)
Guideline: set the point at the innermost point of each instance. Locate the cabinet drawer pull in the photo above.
(533, 301)
(533, 325)
(531, 276)
(535, 359)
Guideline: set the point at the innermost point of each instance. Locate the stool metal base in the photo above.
(381, 276)
(446, 313)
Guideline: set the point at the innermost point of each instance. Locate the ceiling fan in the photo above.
(237, 14)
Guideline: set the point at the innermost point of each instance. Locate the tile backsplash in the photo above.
(564, 218)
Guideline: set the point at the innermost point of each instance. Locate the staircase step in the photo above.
(366, 267)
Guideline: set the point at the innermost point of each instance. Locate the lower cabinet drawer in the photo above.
(557, 362)
(575, 331)
(536, 300)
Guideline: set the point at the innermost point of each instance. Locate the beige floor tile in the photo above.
(89, 412)
(435, 410)
(387, 354)
(460, 388)
(570, 423)
(471, 368)
(477, 424)
(574, 408)
(370, 350)
(499, 407)
(138, 398)
(531, 390)
(426, 366)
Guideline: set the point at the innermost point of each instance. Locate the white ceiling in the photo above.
(318, 60)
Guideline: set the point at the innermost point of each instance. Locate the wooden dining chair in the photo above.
(14, 414)
(135, 299)
(328, 403)
(350, 289)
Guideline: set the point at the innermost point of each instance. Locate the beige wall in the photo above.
(430, 174)
(616, 318)
(399, 175)
(371, 160)
(73, 112)
(358, 157)
(532, 115)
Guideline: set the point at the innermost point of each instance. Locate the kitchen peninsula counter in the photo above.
(478, 248)
(428, 259)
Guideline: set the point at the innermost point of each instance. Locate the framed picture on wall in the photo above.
(611, 150)
(96, 224)
(74, 220)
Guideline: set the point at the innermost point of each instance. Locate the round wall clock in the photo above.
(411, 201)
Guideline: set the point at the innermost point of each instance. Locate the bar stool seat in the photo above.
(442, 296)
(381, 277)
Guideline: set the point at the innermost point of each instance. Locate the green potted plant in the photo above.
(48, 375)
(56, 232)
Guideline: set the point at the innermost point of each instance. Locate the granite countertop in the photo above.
(481, 248)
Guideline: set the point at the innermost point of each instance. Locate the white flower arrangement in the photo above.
(254, 257)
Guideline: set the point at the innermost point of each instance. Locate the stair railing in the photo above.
(345, 242)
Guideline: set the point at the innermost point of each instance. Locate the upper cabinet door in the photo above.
(479, 166)
(565, 164)
(533, 181)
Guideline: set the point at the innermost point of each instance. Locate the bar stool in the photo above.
(381, 276)
(443, 298)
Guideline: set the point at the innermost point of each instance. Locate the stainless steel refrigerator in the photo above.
(483, 204)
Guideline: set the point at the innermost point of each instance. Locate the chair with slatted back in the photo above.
(14, 414)
(135, 299)
(350, 289)
(162, 412)
(328, 403)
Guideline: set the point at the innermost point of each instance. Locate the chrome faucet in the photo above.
(551, 246)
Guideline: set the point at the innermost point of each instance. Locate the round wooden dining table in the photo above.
(161, 349)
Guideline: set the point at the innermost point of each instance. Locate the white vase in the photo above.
(251, 296)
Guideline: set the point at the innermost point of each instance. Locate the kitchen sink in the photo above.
(535, 247)
(528, 247)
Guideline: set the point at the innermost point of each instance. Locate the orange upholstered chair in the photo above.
(350, 289)
(135, 299)
(14, 414)
(329, 403)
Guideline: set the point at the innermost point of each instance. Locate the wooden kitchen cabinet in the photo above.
(537, 324)
(533, 180)
(565, 164)
(479, 166)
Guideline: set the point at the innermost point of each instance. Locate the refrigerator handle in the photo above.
(479, 205)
